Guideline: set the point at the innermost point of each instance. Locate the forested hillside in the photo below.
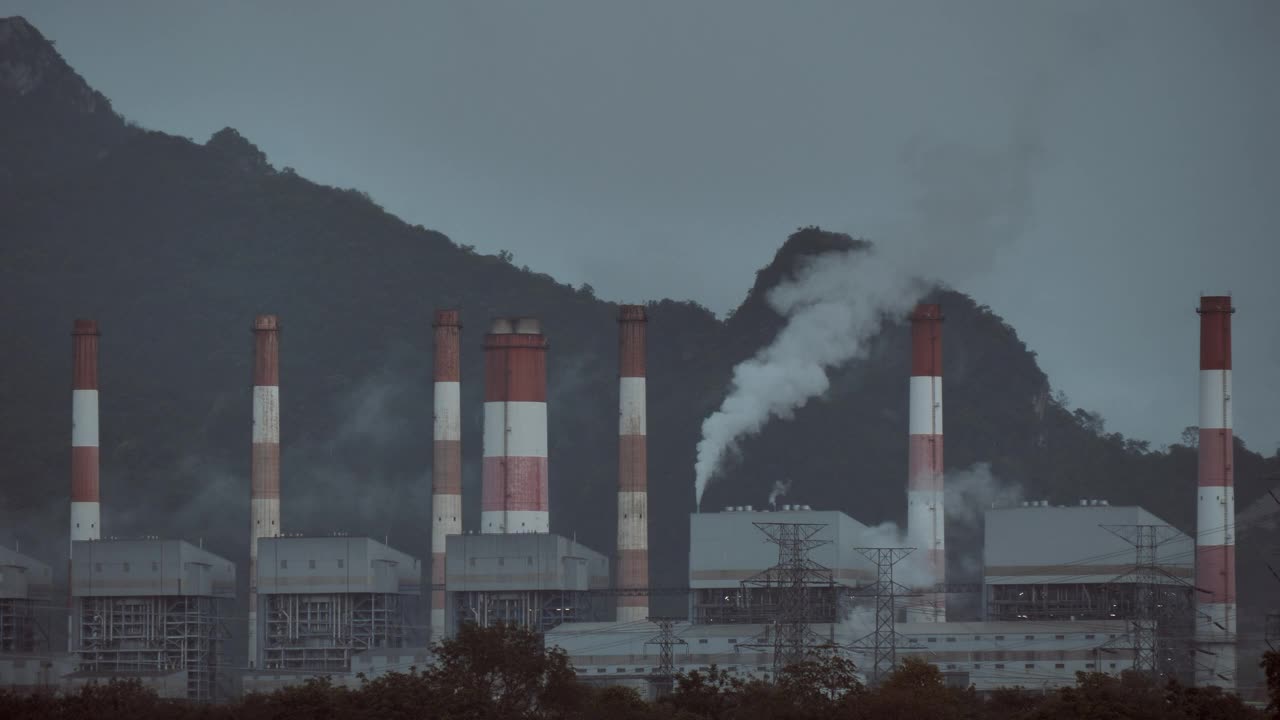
(174, 245)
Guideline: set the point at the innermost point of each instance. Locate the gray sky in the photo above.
(666, 149)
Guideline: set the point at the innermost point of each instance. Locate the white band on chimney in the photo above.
(84, 418)
(447, 424)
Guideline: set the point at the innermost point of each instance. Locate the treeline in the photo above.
(506, 674)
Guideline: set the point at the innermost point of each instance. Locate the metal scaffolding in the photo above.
(790, 584)
(19, 630)
(323, 631)
(538, 610)
(157, 634)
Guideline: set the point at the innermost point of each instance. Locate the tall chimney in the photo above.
(264, 497)
(925, 513)
(1215, 505)
(633, 482)
(86, 521)
(446, 470)
(85, 510)
(514, 497)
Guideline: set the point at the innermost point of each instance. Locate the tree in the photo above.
(501, 672)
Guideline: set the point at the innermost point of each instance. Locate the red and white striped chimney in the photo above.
(264, 497)
(85, 509)
(1216, 505)
(633, 472)
(514, 496)
(446, 471)
(925, 500)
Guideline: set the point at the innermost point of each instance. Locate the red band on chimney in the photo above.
(1215, 332)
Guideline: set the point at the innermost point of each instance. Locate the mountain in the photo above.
(174, 245)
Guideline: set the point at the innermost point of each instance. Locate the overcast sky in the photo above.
(660, 149)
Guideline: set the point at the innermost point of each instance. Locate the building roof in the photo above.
(334, 564)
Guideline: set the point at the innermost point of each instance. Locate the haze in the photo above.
(666, 149)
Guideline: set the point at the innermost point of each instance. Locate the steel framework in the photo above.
(538, 610)
(19, 630)
(322, 631)
(1152, 616)
(663, 678)
(883, 641)
(175, 633)
(792, 581)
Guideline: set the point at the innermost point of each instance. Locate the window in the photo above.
(599, 670)
(951, 639)
(155, 566)
(620, 670)
(529, 560)
(999, 666)
(999, 637)
(1089, 637)
(311, 564)
(1113, 636)
(1059, 637)
(502, 562)
(977, 666)
(702, 641)
(932, 640)
(97, 567)
(473, 564)
(284, 564)
(126, 567)
(1029, 637)
(733, 641)
(340, 563)
(1088, 666)
(1113, 666)
(1060, 666)
(639, 670)
(977, 637)
(951, 667)
(1030, 666)
(761, 667)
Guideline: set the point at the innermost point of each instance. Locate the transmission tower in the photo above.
(791, 581)
(883, 641)
(1147, 577)
(663, 677)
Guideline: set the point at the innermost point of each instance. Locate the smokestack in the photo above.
(1215, 505)
(446, 470)
(85, 509)
(633, 482)
(264, 497)
(925, 513)
(514, 496)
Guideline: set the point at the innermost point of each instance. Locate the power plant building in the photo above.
(726, 550)
(323, 600)
(151, 610)
(534, 580)
(1031, 573)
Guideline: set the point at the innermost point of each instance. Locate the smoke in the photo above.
(970, 492)
(780, 488)
(967, 204)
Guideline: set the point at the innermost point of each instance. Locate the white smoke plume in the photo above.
(780, 489)
(968, 203)
(973, 491)
(833, 306)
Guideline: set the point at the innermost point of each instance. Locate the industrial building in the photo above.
(985, 655)
(151, 610)
(25, 589)
(329, 605)
(534, 580)
(1029, 573)
(729, 556)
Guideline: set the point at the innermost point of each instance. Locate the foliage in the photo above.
(504, 673)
